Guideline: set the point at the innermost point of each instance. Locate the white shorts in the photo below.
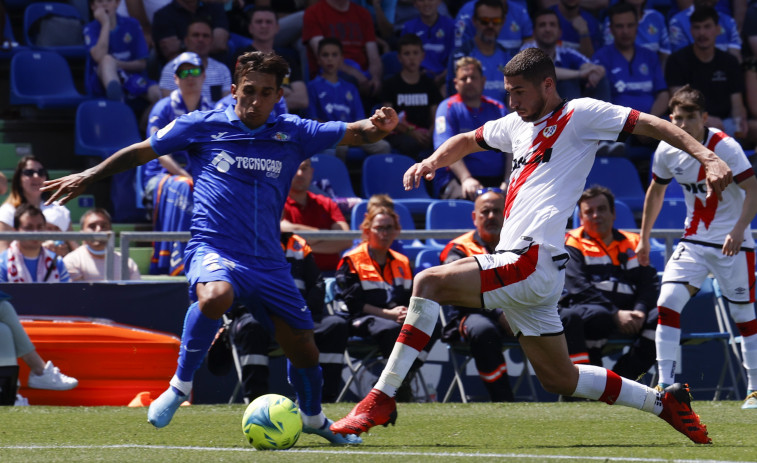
(692, 262)
(526, 287)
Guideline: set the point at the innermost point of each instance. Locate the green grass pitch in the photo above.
(521, 432)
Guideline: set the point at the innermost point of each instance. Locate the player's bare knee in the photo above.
(214, 298)
(428, 284)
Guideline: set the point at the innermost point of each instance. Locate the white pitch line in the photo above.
(365, 452)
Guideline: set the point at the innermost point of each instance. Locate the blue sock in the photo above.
(198, 335)
(307, 384)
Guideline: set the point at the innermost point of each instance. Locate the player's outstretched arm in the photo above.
(652, 206)
(452, 150)
(66, 188)
(370, 130)
(734, 239)
(719, 175)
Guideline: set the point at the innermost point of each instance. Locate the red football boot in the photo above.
(676, 410)
(375, 409)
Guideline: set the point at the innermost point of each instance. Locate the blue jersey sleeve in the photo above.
(317, 136)
(175, 136)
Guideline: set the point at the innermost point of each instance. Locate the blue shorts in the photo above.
(264, 286)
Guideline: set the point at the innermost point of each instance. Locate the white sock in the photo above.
(184, 386)
(421, 316)
(314, 421)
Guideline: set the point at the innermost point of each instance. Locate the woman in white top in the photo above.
(27, 180)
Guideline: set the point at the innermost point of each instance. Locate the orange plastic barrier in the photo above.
(113, 362)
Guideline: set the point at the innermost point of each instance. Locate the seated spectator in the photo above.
(516, 27)
(580, 29)
(217, 75)
(26, 182)
(415, 97)
(353, 26)
(749, 51)
(437, 32)
(332, 98)
(57, 222)
(304, 210)
(577, 76)
(143, 11)
(467, 110)
(263, 27)
(374, 284)
(483, 330)
(119, 58)
(26, 261)
(727, 38)
(170, 26)
(87, 263)
(488, 19)
(251, 331)
(607, 291)
(15, 344)
(713, 72)
(652, 32)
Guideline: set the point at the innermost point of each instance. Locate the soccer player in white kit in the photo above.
(717, 237)
(553, 144)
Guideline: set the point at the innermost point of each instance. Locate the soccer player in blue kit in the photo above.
(244, 161)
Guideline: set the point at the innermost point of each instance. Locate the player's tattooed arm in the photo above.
(370, 130)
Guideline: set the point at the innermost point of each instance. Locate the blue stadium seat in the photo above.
(31, 82)
(103, 127)
(382, 173)
(38, 10)
(8, 36)
(409, 247)
(330, 167)
(426, 258)
(620, 176)
(672, 214)
(624, 218)
(448, 214)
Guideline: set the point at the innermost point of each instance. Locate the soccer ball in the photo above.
(272, 422)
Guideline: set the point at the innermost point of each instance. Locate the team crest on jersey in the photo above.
(439, 34)
(281, 136)
(651, 30)
(514, 27)
(128, 38)
(549, 131)
(349, 96)
(644, 69)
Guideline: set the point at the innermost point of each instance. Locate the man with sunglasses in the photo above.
(516, 25)
(483, 330)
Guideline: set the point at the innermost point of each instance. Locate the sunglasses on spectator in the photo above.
(31, 172)
(184, 73)
(481, 191)
(490, 21)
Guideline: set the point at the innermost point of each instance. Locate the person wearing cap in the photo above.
(199, 39)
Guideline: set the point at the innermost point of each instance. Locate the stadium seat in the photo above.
(79, 205)
(6, 54)
(672, 214)
(331, 168)
(426, 259)
(448, 214)
(624, 218)
(620, 176)
(73, 44)
(102, 127)
(382, 173)
(410, 248)
(43, 79)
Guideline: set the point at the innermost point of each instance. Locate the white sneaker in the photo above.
(52, 379)
(21, 401)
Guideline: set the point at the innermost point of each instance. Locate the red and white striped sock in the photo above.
(598, 383)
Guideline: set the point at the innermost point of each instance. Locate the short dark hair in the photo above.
(266, 63)
(492, 4)
(260, 9)
(26, 208)
(330, 41)
(93, 211)
(620, 8)
(409, 40)
(689, 99)
(533, 64)
(597, 190)
(546, 12)
(704, 13)
(198, 19)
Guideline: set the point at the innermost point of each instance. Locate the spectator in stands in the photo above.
(483, 330)
(26, 261)
(171, 23)
(749, 51)
(143, 11)
(353, 26)
(580, 29)
(467, 110)
(253, 338)
(652, 32)
(3, 184)
(15, 344)
(415, 97)
(304, 210)
(713, 72)
(607, 292)
(26, 182)
(577, 76)
(263, 27)
(331, 98)
(727, 36)
(374, 283)
(516, 26)
(119, 57)
(488, 20)
(217, 75)
(438, 35)
(56, 221)
(87, 263)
